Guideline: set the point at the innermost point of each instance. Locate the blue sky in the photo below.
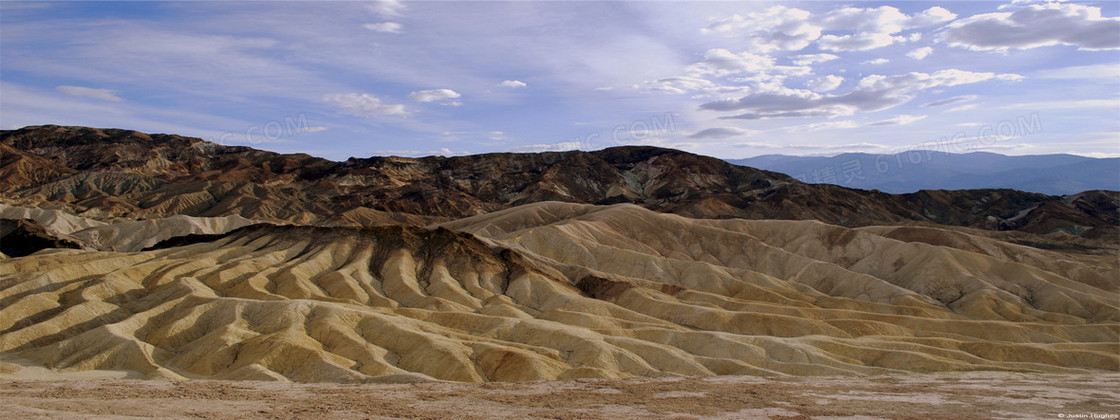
(727, 79)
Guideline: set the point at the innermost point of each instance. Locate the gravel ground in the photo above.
(942, 396)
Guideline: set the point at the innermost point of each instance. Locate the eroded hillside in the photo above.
(555, 290)
(188, 259)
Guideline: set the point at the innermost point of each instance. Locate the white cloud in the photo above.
(965, 107)
(827, 125)
(873, 93)
(809, 59)
(472, 136)
(1098, 155)
(1109, 72)
(363, 105)
(312, 129)
(721, 133)
(793, 70)
(825, 83)
(681, 84)
(857, 42)
(433, 95)
(776, 28)
(1034, 26)
(884, 19)
(920, 53)
(554, 147)
(443, 151)
(385, 27)
(899, 120)
(873, 28)
(395, 152)
(685, 84)
(721, 62)
(512, 84)
(743, 72)
(757, 145)
(102, 94)
(931, 16)
(1069, 104)
(951, 100)
(947, 77)
(791, 29)
(387, 8)
(877, 61)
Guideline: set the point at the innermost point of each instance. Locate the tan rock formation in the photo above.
(554, 290)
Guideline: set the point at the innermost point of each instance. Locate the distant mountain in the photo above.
(926, 170)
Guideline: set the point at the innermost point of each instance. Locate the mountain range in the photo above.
(911, 171)
(123, 173)
(170, 257)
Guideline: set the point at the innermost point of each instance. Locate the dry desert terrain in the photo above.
(940, 396)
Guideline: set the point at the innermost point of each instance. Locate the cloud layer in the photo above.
(512, 84)
(102, 94)
(873, 93)
(435, 95)
(843, 29)
(383, 72)
(363, 105)
(1036, 26)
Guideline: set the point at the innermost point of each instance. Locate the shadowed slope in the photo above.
(25, 237)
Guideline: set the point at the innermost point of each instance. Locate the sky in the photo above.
(726, 79)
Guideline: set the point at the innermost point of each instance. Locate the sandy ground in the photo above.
(944, 396)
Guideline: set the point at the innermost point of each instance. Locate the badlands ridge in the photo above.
(555, 290)
(175, 258)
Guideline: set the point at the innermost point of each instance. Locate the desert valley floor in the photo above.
(945, 396)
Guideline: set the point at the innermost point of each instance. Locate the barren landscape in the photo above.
(560, 210)
(633, 287)
(943, 396)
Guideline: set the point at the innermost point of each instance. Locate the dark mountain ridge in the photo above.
(111, 173)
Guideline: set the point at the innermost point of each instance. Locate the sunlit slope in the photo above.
(553, 290)
(950, 269)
